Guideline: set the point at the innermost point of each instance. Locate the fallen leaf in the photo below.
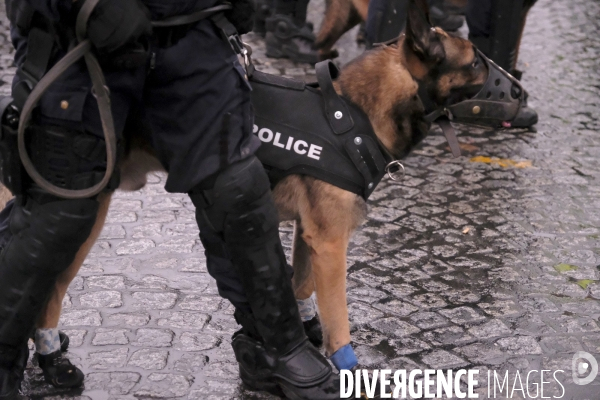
(466, 230)
(562, 267)
(584, 283)
(503, 162)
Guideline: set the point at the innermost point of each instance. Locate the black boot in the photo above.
(526, 117)
(440, 17)
(286, 39)
(58, 370)
(313, 331)
(12, 368)
(301, 374)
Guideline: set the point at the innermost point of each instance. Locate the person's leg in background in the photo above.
(386, 19)
(496, 27)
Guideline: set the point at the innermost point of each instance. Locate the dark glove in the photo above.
(116, 24)
(241, 15)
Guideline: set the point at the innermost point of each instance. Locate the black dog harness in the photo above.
(310, 130)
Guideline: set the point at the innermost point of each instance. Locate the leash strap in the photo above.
(99, 90)
(450, 134)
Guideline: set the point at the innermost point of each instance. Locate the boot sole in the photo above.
(276, 53)
(258, 383)
(272, 386)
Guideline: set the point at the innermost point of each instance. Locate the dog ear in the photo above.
(420, 34)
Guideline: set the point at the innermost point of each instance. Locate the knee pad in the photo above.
(46, 235)
(239, 205)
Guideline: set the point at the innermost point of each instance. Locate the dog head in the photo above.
(399, 84)
(448, 68)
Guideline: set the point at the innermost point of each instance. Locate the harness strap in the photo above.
(336, 110)
(364, 152)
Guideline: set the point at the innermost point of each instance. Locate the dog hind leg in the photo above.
(51, 312)
(340, 17)
(303, 281)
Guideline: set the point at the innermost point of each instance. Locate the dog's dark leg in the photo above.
(303, 281)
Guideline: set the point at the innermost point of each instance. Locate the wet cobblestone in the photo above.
(471, 262)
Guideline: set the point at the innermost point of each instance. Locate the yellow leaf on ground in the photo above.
(584, 283)
(562, 267)
(503, 162)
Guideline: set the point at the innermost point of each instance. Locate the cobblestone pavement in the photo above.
(490, 260)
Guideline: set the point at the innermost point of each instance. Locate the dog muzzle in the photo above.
(498, 101)
(496, 104)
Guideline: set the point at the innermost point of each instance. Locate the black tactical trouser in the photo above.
(193, 97)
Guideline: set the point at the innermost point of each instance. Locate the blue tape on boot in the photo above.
(344, 358)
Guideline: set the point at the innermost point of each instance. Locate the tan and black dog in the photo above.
(383, 83)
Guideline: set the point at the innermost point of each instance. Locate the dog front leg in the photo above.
(51, 313)
(328, 259)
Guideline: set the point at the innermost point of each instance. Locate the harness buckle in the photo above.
(393, 174)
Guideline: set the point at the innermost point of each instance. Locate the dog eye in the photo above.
(475, 63)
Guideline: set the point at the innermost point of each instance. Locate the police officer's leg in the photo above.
(5, 233)
(385, 20)
(198, 104)
(220, 267)
(496, 27)
(46, 234)
(239, 208)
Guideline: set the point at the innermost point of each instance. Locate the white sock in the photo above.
(307, 308)
(47, 341)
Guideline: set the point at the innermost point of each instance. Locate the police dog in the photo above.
(384, 83)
